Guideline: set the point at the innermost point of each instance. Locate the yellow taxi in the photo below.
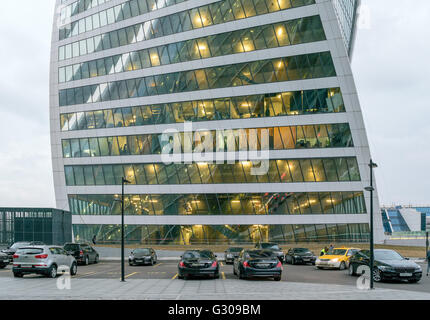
(337, 258)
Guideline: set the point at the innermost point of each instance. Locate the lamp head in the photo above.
(369, 189)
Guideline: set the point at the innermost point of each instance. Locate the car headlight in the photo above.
(334, 260)
(229, 256)
(386, 268)
(418, 269)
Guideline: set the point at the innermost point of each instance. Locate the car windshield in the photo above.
(71, 247)
(19, 244)
(337, 252)
(235, 249)
(302, 250)
(272, 246)
(387, 255)
(260, 254)
(142, 251)
(197, 255)
(29, 251)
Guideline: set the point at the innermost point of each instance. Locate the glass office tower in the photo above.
(276, 72)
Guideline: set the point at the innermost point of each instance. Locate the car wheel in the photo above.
(52, 273)
(377, 276)
(351, 270)
(2, 267)
(180, 277)
(277, 278)
(216, 275)
(342, 266)
(241, 275)
(319, 268)
(74, 269)
(18, 275)
(96, 260)
(87, 260)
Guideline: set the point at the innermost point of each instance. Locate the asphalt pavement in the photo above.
(304, 274)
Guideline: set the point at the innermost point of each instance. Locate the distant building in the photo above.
(405, 219)
(51, 226)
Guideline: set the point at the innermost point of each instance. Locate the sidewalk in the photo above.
(165, 289)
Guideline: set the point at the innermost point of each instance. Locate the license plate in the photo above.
(197, 265)
(139, 260)
(306, 259)
(263, 265)
(6, 261)
(406, 274)
(28, 267)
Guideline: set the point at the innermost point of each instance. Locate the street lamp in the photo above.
(123, 181)
(372, 250)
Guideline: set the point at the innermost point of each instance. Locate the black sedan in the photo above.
(198, 263)
(272, 247)
(4, 260)
(142, 257)
(389, 265)
(300, 256)
(231, 253)
(258, 263)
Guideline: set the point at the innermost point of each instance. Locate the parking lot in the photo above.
(168, 270)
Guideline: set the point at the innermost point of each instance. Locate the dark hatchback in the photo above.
(142, 256)
(300, 256)
(10, 251)
(83, 253)
(231, 253)
(198, 263)
(258, 263)
(4, 260)
(272, 247)
(389, 265)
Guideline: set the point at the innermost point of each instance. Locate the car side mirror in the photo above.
(216, 256)
(181, 257)
(406, 258)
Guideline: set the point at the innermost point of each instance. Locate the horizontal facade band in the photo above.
(220, 188)
(297, 120)
(273, 154)
(264, 88)
(222, 220)
(237, 58)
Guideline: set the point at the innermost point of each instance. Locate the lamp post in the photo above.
(123, 181)
(372, 249)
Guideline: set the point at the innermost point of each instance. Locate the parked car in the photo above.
(273, 247)
(46, 260)
(4, 260)
(198, 263)
(142, 256)
(258, 263)
(10, 251)
(338, 258)
(83, 253)
(388, 265)
(300, 256)
(231, 253)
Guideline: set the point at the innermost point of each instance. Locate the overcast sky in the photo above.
(391, 67)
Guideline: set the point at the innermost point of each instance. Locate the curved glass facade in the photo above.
(308, 66)
(280, 171)
(280, 138)
(221, 204)
(244, 107)
(224, 234)
(287, 33)
(264, 80)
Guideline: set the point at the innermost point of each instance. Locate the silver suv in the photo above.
(46, 260)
